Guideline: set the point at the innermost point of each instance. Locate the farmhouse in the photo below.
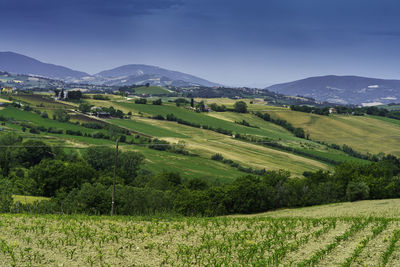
(332, 111)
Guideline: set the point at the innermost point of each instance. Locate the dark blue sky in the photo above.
(235, 42)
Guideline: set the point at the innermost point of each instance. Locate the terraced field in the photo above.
(260, 240)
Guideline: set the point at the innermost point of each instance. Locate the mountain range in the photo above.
(343, 89)
(124, 75)
(330, 88)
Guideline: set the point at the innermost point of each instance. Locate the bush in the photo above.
(157, 102)
(141, 101)
(158, 117)
(44, 115)
(357, 191)
(217, 156)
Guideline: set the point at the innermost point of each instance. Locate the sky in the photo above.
(233, 42)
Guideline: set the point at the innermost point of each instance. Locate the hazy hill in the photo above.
(343, 89)
(125, 75)
(137, 73)
(20, 64)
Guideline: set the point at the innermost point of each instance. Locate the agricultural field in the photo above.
(204, 143)
(263, 240)
(362, 133)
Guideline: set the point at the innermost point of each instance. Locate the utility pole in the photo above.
(115, 176)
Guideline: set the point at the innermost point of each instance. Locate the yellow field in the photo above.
(362, 133)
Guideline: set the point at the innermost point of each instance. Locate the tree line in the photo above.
(81, 183)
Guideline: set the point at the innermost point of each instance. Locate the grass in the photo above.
(188, 166)
(35, 119)
(28, 199)
(258, 240)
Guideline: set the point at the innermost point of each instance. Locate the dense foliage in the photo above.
(82, 184)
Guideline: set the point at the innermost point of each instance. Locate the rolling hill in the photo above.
(140, 74)
(343, 89)
(124, 75)
(20, 64)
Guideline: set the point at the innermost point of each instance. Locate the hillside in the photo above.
(343, 89)
(363, 133)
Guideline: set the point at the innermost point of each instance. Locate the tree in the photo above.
(85, 107)
(33, 152)
(7, 158)
(129, 163)
(54, 176)
(6, 199)
(357, 191)
(100, 158)
(56, 92)
(62, 94)
(192, 102)
(201, 106)
(74, 95)
(44, 115)
(240, 107)
(157, 102)
(61, 115)
(141, 101)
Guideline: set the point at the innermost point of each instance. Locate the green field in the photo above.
(328, 235)
(146, 128)
(35, 119)
(152, 90)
